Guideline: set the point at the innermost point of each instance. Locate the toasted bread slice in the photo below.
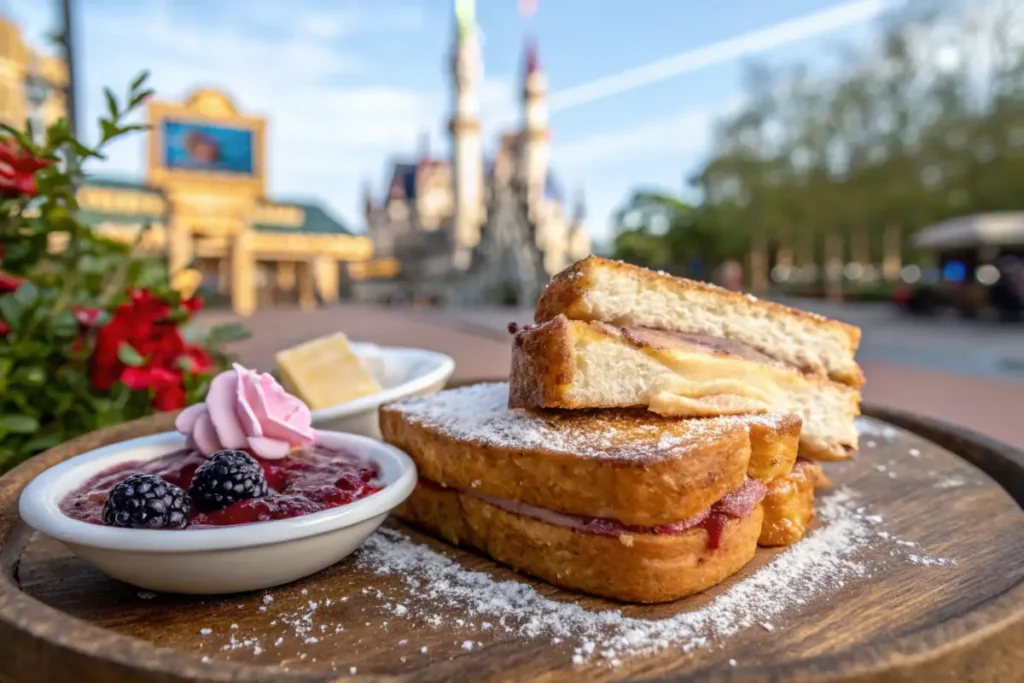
(789, 505)
(627, 295)
(632, 466)
(774, 443)
(627, 567)
(569, 364)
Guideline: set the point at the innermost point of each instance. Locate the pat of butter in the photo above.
(324, 372)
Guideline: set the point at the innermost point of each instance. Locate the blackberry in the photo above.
(229, 476)
(146, 501)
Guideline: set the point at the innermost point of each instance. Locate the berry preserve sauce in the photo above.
(314, 479)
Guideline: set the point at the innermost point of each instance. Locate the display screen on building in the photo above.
(203, 147)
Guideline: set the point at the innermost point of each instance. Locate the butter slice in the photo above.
(324, 372)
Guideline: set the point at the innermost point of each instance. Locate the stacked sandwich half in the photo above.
(647, 440)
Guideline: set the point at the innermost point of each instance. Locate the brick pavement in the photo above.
(990, 406)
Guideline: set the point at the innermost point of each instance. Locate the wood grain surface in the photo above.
(61, 620)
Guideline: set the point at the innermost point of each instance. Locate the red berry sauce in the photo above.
(314, 479)
(737, 505)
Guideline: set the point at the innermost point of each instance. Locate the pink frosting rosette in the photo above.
(245, 409)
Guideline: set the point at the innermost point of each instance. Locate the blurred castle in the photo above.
(469, 233)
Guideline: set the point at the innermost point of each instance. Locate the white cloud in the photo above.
(744, 45)
(686, 133)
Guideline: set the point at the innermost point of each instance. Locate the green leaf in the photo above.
(108, 129)
(139, 80)
(111, 103)
(224, 334)
(18, 424)
(83, 151)
(27, 294)
(43, 441)
(139, 97)
(32, 375)
(11, 311)
(62, 325)
(5, 367)
(129, 356)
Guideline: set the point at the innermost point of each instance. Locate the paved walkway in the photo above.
(481, 349)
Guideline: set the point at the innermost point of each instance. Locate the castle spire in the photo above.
(536, 137)
(532, 56)
(467, 148)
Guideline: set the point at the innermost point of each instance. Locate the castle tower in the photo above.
(467, 147)
(536, 149)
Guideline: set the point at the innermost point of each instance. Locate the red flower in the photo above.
(199, 360)
(141, 378)
(87, 317)
(9, 283)
(169, 397)
(144, 324)
(168, 394)
(18, 169)
(4, 328)
(193, 305)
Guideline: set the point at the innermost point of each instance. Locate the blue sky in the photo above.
(349, 86)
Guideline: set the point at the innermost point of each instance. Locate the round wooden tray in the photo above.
(953, 493)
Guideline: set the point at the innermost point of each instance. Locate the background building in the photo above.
(32, 85)
(466, 232)
(203, 200)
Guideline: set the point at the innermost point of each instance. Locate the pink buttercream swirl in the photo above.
(247, 409)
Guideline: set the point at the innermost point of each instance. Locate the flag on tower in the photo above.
(465, 16)
(527, 8)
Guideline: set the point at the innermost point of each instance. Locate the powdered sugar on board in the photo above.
(821, 563)
(428, 592)
(480, 413)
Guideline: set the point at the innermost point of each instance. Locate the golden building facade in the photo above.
(202, 201)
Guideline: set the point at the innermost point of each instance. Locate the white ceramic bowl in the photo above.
(401, 372)
(210, 561)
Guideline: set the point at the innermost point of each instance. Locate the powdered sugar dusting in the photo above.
(823, 562)
(480, 413)
(868, 427)
(430, 590)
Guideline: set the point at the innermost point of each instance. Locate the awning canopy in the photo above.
(987, 229)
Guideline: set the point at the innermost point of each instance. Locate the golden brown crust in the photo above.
(541, 365)
(632, 567)
(684, 481)
(789, 505)
(774, 440)
(565, 295)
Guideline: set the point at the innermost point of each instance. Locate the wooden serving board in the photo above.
(939, 598)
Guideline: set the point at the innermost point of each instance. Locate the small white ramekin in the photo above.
(228, 559)
(402, 372)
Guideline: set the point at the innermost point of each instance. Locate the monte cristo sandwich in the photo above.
(623, 504)
(612, 335)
